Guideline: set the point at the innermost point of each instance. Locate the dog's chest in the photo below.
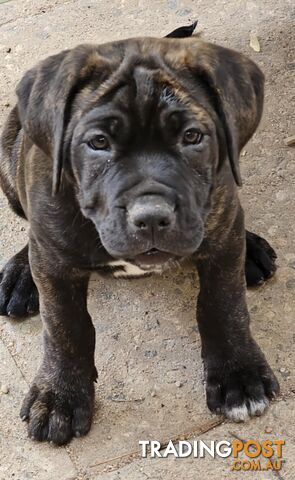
(123, 269)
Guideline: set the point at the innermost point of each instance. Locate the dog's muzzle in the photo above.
(151, 217)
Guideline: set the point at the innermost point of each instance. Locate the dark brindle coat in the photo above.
(124, 158)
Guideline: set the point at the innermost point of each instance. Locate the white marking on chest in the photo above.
(129, 270)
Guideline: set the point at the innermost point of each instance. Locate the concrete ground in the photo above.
(148, 349)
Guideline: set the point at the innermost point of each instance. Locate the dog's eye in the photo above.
(192, 136)
(100, 142)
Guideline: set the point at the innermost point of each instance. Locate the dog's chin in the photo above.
(153, 257)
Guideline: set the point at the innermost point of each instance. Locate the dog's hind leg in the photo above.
(260, 260)
(18, 292)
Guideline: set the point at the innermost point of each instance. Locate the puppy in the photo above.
(124, 158)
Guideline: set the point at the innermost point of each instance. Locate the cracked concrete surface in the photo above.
(148, 349)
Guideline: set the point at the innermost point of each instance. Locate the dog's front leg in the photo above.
(60, 402)
(239, 381)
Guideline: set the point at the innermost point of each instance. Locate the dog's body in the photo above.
(124, 158)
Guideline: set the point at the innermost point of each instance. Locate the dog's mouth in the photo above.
(153, 257)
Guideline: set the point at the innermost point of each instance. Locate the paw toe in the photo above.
(237, 414)
(271, 386)
(38, 421)
(258, 407)
(33, 303)
(214, 396)
(59, 428)
(81, 422)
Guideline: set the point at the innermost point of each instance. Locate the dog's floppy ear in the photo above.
(45, 95)
(182, 32)
(235, 85)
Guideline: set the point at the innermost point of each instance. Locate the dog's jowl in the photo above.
(124, 158)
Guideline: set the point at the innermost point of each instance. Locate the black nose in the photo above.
(151, 213)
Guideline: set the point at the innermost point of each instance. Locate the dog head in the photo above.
(144, 129)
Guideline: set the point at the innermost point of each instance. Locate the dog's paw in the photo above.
(57, 411)
(241, 392)
(18, 293)
(260, 260)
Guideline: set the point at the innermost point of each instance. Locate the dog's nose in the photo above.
(151, 213)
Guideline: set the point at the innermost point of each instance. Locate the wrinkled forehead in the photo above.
(143, 90)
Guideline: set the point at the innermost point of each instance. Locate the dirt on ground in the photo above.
(150, 382)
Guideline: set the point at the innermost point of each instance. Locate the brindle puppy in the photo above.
(124, 158)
